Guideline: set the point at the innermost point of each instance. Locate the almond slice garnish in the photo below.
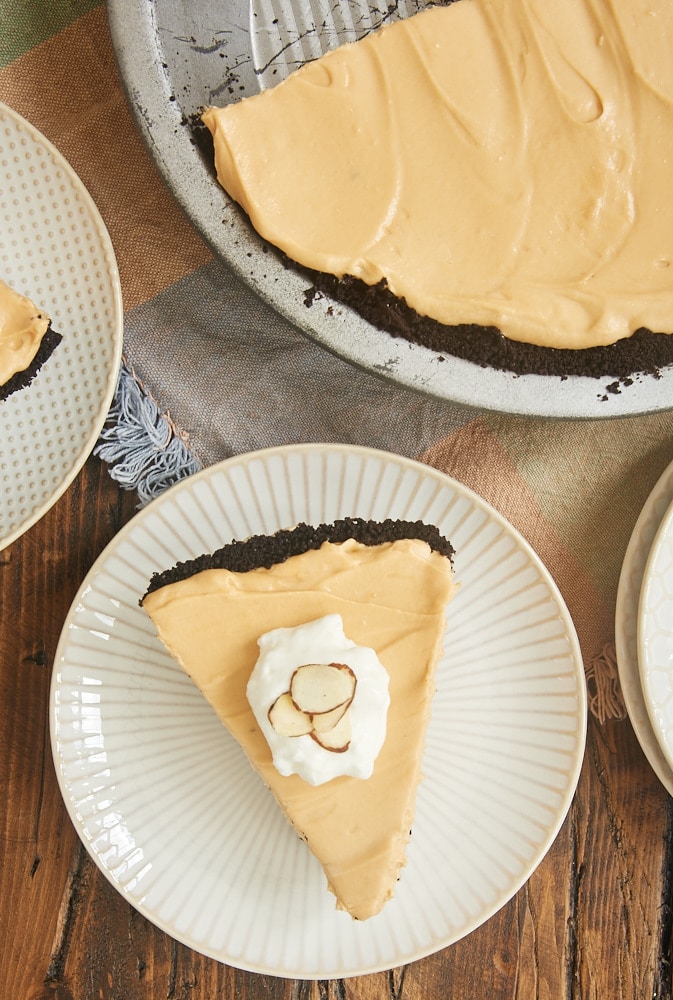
(337, 739)
(318, 688)
(287, 719)
(324, 721)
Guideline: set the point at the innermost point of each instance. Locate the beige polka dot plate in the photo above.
(55, 249)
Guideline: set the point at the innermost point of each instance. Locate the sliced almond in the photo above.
(287, 719)
(324, 721)
(317, 688)
(336, 739)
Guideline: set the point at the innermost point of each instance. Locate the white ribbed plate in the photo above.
(170, 809)
(55, 249)
(655, 635)
(626, 623)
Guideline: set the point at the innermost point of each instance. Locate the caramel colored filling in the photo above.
(22, 327)
(506, 163)
(391, 597)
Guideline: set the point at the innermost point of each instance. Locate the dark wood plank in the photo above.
(623, 835)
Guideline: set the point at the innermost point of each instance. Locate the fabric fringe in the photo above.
(144, 448)
(606, 700)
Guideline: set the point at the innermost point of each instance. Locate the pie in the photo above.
(390, 583)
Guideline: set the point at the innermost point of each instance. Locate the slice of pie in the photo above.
(27, 339)
(389, 582)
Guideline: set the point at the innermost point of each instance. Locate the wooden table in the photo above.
(594, 920)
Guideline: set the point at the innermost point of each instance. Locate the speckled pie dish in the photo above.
(174, 816)
(55, 249)
(176, 58)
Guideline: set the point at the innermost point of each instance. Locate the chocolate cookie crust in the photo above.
(264, 551)
(20, 380)
(644, 352)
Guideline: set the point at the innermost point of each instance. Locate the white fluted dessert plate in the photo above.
(655, 635)
(55, 249)
(173, 814)
(175, 58)
(626, 623)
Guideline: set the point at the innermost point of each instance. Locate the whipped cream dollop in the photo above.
(322, 641)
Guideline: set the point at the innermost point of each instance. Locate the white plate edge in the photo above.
(663, 530)
(625, 645)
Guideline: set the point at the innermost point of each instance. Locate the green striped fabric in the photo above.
(26, 23)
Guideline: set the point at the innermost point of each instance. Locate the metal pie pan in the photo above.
(176, 58)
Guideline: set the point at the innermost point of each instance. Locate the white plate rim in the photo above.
(626, 623)
(647, 631)
(101, 405)
(580, 717)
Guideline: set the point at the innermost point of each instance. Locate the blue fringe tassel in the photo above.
(142, 446)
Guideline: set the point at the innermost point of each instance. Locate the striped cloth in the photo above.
(210, 371)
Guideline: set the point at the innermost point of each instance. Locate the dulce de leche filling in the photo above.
(506, 163)
(22, 327)
(391, 597)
